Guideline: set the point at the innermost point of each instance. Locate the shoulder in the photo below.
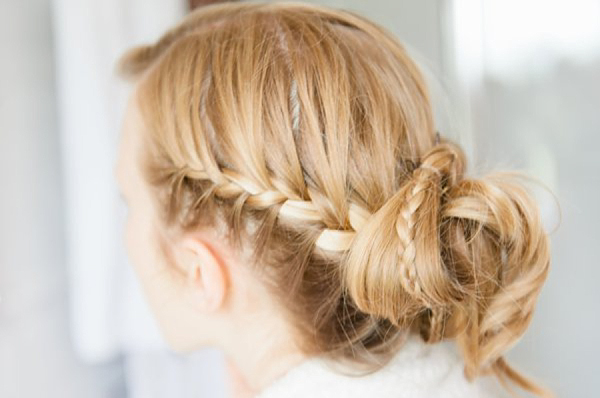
(418, 370)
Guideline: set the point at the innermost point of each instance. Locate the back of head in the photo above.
(307, 132)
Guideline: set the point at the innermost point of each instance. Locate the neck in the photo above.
(261, 354)
(258, 342)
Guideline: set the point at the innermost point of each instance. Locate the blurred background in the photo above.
(517, 83)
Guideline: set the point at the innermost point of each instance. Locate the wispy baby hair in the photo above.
(305, 134)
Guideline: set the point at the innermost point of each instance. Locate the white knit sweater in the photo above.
(419, 370)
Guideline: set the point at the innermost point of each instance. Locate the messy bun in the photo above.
(394, 268)
(464, 257)
(306, 134)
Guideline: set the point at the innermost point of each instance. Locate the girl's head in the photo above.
(282, 159)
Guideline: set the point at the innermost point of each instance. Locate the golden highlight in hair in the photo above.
(308, 132)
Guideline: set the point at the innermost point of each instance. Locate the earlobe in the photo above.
(206, 275)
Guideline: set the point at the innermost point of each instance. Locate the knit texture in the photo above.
(418, 370)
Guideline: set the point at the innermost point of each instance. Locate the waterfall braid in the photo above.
(305, 135)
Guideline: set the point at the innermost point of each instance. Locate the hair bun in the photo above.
(383, 271)
(456, 257)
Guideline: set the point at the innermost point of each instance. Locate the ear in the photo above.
(206, 274)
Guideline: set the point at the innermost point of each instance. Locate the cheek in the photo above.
(130, 241)
(140, 246)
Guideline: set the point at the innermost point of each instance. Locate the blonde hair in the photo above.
(308, 132)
